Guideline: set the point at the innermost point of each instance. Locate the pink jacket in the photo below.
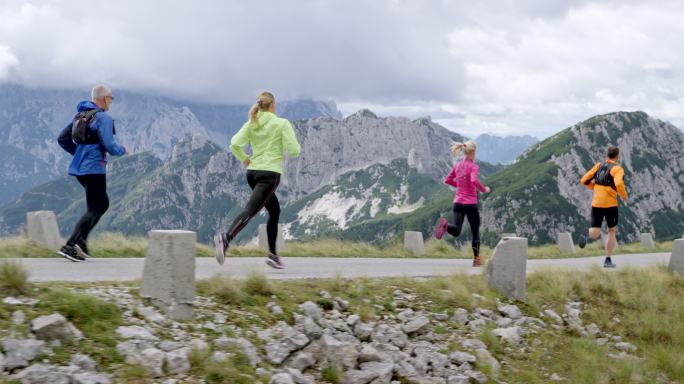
(463, 176)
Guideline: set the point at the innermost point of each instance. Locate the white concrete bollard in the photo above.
(677, 257)
(507, 268)
(413, 242)
(647, 241)
(41, 228)
(263, 238)
(565, 243)
(169, 272)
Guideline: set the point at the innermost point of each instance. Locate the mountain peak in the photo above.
(364, 113)
(425, 120)
(618, 115)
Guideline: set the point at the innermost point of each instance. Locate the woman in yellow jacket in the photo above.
(269, 136)
(606, 179)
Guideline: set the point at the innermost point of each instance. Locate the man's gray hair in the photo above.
(100, 91)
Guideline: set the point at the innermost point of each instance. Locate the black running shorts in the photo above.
(597, 215)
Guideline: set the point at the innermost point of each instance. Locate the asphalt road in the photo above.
(128, 269)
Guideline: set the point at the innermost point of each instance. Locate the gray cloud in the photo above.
(511, 66)
(227, 51)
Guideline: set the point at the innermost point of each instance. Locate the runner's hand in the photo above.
(246, 161)
(487, 189)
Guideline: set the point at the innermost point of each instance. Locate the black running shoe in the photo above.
(220, 247)
(608, 263)
(82, 249)
(69, 252)
(274, 261)
(583, 240)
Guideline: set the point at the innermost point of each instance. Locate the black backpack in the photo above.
(603, 176)
(80, 128)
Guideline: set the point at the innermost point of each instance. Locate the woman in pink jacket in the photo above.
(463, 176)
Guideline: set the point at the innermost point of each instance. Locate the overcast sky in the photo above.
(505, 67)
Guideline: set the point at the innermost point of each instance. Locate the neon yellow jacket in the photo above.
(269, 139)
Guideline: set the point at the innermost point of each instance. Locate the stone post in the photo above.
(169, 272)
(506, 271)
(565, 243)
(647, 241)
(41, 228)
(677, 257)
(413, 242)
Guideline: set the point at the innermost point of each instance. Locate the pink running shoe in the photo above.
(274, 261)
(441, 228)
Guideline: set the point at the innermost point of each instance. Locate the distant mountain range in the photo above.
(201, 186)
(31, 119)
(362, 177)
(502, 150)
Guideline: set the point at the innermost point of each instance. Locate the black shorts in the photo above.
(597, 215)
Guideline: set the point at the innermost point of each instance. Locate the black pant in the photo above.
(473, 214)
(264, 185)
(597, 215)
(97, 203)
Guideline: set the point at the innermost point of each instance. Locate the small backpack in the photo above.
(80, 128)
(603, 176)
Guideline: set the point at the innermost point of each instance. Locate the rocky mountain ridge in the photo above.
(540, 194)
(201, 186)
(30, 120)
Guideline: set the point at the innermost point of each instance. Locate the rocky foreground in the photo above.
(321, 344)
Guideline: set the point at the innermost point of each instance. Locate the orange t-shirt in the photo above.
(606, 196)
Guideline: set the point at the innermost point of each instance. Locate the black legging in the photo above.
(460, 212)
(264, 185)
(97, 203)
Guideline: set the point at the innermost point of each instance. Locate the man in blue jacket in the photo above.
(89, 166)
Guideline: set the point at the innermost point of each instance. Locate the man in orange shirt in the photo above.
(607, 181)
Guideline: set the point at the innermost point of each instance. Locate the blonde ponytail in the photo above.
(467, 148)
(264, 102)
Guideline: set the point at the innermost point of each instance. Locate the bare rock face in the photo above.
(352, 144)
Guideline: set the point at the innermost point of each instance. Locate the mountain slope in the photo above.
(379, 192)
(540, 194)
